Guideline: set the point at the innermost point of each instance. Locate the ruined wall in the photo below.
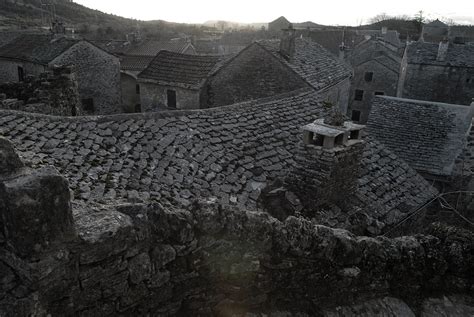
(446, 84)
(53, 93)
(154, 97)
(130, 98)
(98, 75)
(338, 95)
(253, 74)
(207, 260)
(384, 80)
(9, 70)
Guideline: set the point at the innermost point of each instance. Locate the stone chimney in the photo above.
(327, 162)
(384, 30)
(58, 28)
(442, 50)
(288, 43)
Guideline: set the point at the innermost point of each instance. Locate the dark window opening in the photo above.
(21, 74)
(355, 135)
(355, 115)
(88, 105)
(171, 94)
(468, 80)
(138, 108)
(379, 93)
(339, 139)
(359, 95)
(137, 89)
(319, 140)
(369, 76)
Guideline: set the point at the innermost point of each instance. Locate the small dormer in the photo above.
(327, 135)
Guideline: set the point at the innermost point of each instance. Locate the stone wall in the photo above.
(9, 70)
(53, 93)
(338, 94)
(130, 97)
(384, 80)
(253, 74)
(447, 84)
(154, 97)
(98, 75)
(206, 260)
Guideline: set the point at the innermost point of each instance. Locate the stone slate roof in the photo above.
(429, 136)
(177, 69)
(228, 154)
(153, 47)
(112, 46)
(312, 62)
(425, 53)
(135, 63)
(36, 48)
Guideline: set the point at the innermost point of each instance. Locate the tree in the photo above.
(380, 18)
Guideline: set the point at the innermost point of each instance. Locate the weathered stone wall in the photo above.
(98, 75)
(446, 84)
(253, 74)
(338, 95)
(130, 98)
(207, 260)
(154, 97)
(384, 80)
(326, 176)
(9, 70)
(53, 93)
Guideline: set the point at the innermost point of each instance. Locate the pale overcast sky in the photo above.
(341, 12)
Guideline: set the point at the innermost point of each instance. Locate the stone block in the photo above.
(9, 160)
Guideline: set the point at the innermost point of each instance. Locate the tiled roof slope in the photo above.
(312, 62)
(428, 136)
(425, 53)
(36, 48)
(135, 63)
(153, 47)
(228, 153)
(180, 69)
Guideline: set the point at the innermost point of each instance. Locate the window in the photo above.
(379, 93)
(137, 89)
(355, 115)
(171, 94)
(21, 74)
(359, 95)
(468, 80)
(88, 105)
(369, 76)
(138, 108)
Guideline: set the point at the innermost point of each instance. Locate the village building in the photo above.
(442, 72)
(175, 81)
(434, 32)
(97, 71)
(376, 66)
(429, 136)
(269, 67)
(135, 57)
(279, 24)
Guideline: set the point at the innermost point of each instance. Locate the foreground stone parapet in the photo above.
(9, 160)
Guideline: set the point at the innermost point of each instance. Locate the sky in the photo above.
(328, 12)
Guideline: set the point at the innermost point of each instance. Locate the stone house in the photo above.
(442, 72)
(175, 81)
(135, 58)
(429, 136)
(269, 67)
(279, 24)
(434, 32)
(376, 66)
(97, 71)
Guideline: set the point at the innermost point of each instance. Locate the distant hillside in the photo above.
(23, 14)
(411, 28)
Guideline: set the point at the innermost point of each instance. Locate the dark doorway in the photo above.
(355, 115)
(88, 105)
(21, 74)
(171, 98)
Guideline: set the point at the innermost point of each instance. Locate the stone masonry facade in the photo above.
(53, 93)
(58, 258)
(252, 74)
(98, 76)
